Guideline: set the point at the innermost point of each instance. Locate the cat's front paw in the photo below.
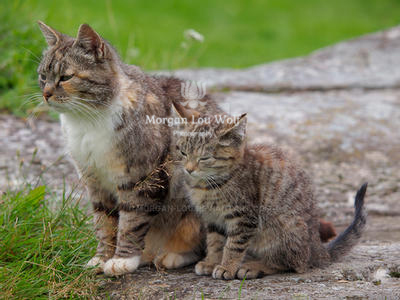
(204, 268)
(98, 262)
(220, 272)
(176, 260)
(120, 266)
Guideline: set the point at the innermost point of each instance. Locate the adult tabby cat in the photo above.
(258, 204)
(139, 207)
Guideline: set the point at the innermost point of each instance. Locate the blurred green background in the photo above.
(237, 33)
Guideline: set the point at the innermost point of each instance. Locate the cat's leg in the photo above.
(105, 227)
(132, 228)
(105, 219)
(240, 229)
(138, 204)
(183, 247)
(137, 208)
(215, 246)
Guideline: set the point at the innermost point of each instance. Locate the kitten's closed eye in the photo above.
(208, 158)
(206, 161)
(180, 151)
(66, 77)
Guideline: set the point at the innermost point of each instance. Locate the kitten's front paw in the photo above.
(120, 266)
(204, 268)
(221, 272)
(98, 262)
(248, 273)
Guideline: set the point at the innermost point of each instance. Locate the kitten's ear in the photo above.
(91, 41)
(52, 36)
(235, 133)
(185, 113)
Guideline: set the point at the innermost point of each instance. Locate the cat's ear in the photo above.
(91, 41)
(235, 133)
(52, 36)
(185, 113)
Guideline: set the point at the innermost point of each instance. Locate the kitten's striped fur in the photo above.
(257, 202)
(136, 193)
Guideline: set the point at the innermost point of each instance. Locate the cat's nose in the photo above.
(189, 171)
(47, 92)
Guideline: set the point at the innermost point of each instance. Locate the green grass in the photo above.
(42, 252)
(238, 33)
(394, 274)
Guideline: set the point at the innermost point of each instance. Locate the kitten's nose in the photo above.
(190, 167)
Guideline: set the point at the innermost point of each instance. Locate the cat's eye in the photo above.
(183, 153)
(42, 77)
(66, 77)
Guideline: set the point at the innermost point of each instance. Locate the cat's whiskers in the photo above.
(99, 115)
(75, 108)
(32, 94)
(211, 180)
(212, 183)
(36, 58)
(29, 96)
(83, 110)
(92, 102)
(33, 100)
(86, 109)
(92, 111)
(33, 115)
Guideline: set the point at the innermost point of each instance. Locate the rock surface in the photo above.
(357, 277)
(338, 109)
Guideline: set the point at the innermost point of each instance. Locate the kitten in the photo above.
(121, 157)
(258, 204)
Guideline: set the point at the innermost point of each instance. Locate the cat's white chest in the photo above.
(91, 145)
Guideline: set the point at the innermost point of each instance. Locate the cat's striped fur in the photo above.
(257, 202)
(140, 206)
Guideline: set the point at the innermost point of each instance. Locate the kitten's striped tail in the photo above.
(348, 238)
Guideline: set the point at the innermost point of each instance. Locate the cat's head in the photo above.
(77, 73)
(212, 149)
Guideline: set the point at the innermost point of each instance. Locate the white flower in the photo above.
(194, 35)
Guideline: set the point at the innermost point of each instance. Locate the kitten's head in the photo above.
(75, 73)
(210, 150)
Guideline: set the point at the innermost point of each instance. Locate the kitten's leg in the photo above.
(215, 246)
(105, 223)
(239, 231)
